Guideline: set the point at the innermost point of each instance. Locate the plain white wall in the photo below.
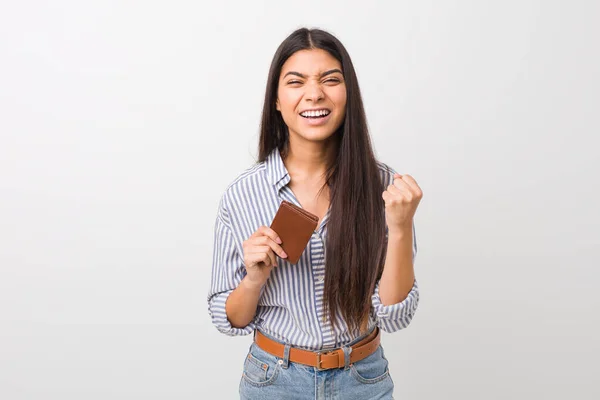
(122, 123)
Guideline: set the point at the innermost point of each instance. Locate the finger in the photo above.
(266, 231)
(258, 249)
(401, 194)
(410, 181)
(268, 243)
(265, 250)
(257, 259)
(266, 258)
(390, 197)
(395, 190)
(272, 257)
(402, 185)
(406, 191)
(386, 197)
(272, 245)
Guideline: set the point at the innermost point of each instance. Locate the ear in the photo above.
(277, 105)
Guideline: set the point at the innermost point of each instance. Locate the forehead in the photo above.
(310, 62)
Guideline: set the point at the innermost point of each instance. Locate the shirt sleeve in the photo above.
(227, 273)
(393, 317)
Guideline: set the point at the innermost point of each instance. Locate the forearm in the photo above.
(398, 272)
(241, 303)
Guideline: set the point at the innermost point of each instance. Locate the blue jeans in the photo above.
(269, 377)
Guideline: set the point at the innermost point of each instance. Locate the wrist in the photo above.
(400, 231)
(252, 286)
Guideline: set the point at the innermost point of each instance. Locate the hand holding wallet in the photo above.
(294, 225)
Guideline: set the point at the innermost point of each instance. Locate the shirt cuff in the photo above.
(216, 310)
(397, 316)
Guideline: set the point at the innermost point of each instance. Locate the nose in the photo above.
(314, 92)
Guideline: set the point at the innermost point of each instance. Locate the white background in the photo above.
(122, 122)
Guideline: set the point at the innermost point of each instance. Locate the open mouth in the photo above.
(315, 114)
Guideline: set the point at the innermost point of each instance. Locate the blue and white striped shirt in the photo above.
(290, 307)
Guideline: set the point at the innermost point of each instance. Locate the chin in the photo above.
(317, 135)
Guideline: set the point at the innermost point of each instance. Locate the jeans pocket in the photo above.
(371, 369)
(260, 368)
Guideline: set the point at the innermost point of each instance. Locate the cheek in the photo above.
(340, 102)
(287, 108)
(287, 101)
(339, 98)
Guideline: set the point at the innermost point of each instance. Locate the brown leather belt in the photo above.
(321, 360)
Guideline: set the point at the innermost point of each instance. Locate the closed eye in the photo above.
(329, 80)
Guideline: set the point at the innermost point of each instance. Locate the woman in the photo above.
(315, 323)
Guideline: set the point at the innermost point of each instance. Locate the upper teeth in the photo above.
(316, 113)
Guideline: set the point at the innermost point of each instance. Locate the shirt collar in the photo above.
(277, 173)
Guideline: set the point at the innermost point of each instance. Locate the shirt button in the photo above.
(321, 278)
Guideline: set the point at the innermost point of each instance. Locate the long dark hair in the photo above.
(356, 225)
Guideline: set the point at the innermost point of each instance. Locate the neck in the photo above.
(308, 161)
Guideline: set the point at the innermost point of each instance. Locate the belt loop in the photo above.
(347, 350)
(286, 356)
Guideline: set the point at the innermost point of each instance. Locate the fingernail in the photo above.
(278, 240)
(283, 253)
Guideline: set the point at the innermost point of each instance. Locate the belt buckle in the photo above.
(319, 361)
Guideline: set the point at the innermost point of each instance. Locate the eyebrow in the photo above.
(331, 71)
